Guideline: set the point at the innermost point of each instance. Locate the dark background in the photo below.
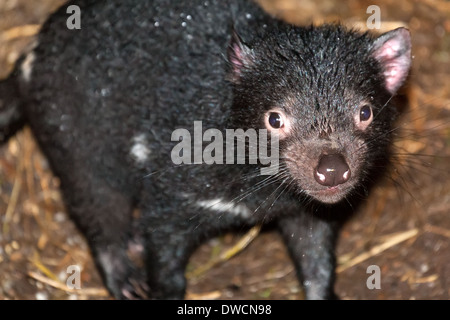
(404, 228)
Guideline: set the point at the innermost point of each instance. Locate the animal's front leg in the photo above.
(311, 244)
(168, 248)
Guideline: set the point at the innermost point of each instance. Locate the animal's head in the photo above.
(325, 92)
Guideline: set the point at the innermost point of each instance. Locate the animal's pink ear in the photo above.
(239, 57)
(393, 50)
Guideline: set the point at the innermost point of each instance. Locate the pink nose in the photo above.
(332, 170)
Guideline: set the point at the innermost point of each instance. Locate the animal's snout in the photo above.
(332, 170)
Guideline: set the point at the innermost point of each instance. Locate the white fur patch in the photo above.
(140, 151)
(27, 66)
(220, 205)
(107, 262)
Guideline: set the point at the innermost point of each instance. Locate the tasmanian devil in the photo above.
(122, 104)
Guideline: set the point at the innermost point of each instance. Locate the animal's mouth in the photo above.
(332, 194)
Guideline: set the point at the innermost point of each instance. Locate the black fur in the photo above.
(138, 70)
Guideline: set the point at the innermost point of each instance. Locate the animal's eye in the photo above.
(365, 113)
(363, 116)
(276, 120)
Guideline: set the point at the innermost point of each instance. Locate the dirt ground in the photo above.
(404, 228)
